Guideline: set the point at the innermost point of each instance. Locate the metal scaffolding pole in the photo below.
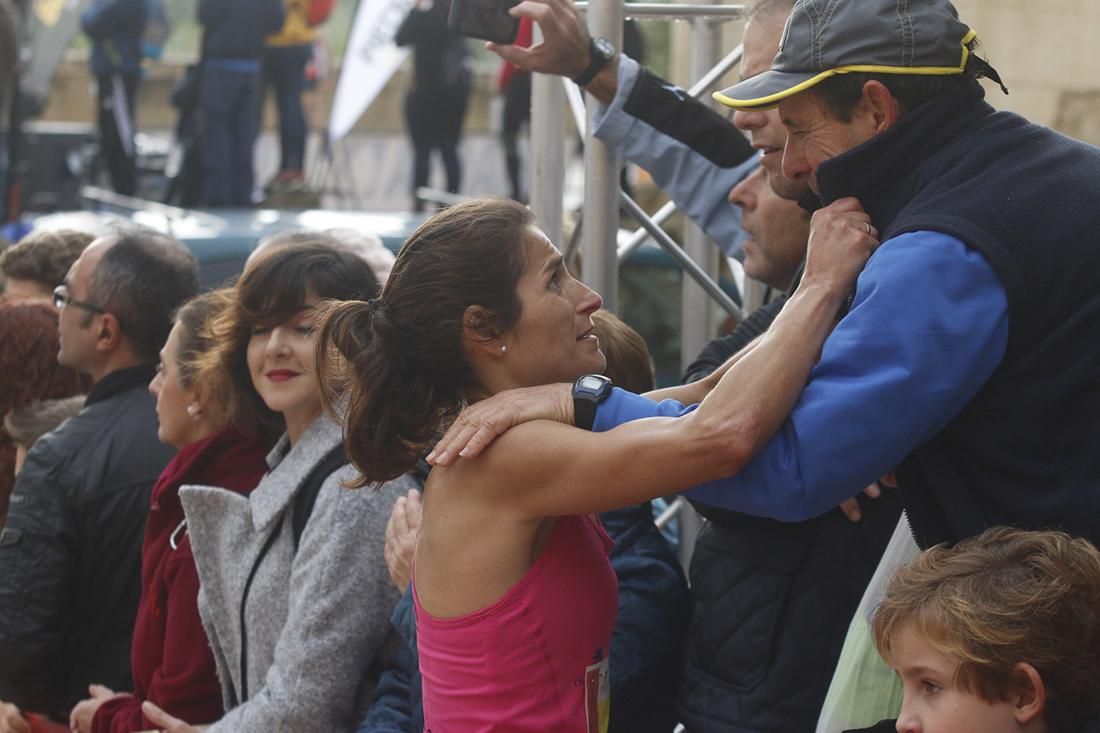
(600, 265)
(650, 226)
(677, 11)
(547, 170)
(697, 326)
(602, 192)
(696, 313)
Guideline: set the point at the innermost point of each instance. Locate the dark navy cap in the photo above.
(827, 37)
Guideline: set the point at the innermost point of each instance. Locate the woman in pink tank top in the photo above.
(515, 598)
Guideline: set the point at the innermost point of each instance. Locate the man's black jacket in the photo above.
(70, 554)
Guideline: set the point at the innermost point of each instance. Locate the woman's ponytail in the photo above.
(367, 381)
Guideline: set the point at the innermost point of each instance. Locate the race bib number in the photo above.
(597, 695)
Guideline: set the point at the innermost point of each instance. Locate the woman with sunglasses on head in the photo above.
(171, 661)
(514, 596)
(295, 596)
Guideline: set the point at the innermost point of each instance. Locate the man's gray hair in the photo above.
(142, 279)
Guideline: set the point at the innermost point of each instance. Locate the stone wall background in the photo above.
(1047, 52)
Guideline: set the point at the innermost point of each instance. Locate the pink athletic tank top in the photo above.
(537, 659)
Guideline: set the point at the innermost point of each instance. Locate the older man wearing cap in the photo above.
(976, 323)
(968, 358)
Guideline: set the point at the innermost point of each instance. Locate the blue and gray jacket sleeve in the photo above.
(694, 154)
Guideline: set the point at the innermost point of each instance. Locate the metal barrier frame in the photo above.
(600, 254)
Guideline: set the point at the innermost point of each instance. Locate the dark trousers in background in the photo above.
(285, 71)
(117, 97)
(515, 114)
(229, 113)
(435, 123)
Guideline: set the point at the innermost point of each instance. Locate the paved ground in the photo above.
(367, 172)
(374, 171)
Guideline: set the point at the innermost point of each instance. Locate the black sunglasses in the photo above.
(62, 299)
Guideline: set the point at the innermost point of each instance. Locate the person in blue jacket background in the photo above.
(234, 32)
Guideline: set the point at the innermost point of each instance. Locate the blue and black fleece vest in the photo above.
(1025, 451)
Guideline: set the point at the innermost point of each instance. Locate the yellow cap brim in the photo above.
(765, 91)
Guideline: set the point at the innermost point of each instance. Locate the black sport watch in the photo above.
(589, 391)
(600, 52)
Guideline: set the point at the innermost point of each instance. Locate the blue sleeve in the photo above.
(698, 180)
(654, 610)
(622, 407)
(928, 326)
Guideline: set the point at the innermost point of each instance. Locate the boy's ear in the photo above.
(1031, 697)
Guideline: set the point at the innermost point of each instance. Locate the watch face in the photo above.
(605, 48)
(591, 383)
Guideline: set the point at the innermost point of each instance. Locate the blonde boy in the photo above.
(998, 634)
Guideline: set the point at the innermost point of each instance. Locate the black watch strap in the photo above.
(588, 392)
(600, 53)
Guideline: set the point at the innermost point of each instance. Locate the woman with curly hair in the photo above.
(29, 372)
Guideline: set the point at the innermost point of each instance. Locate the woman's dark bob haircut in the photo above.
(272, 289)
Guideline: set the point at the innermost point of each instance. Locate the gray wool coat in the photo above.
(316, 622)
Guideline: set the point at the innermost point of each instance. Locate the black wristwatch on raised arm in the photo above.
(588, 392)
(600, 52)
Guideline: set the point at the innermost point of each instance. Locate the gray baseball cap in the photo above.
(827, 37)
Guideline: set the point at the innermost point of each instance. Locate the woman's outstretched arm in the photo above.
(548, 469)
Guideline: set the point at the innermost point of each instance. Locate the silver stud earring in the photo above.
(503, 347)
(193, 409)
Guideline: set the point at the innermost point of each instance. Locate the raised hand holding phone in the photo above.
(488, 20)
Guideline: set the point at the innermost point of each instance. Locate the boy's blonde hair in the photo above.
(1004, 597)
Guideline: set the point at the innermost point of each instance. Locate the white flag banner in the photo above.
(51, 26)
(369, 61)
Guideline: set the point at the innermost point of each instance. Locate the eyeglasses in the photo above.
(62, 299)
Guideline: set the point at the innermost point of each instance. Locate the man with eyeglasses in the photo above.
(70, 553)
